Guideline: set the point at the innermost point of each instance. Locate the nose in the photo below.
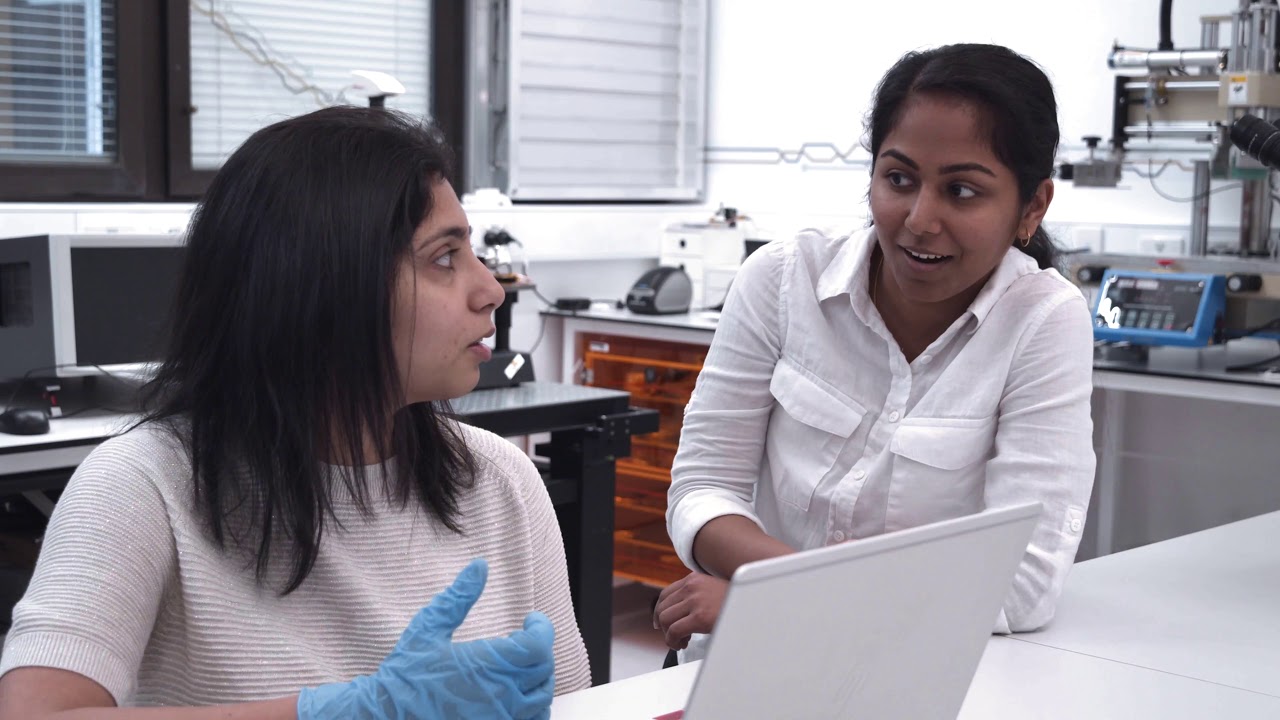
(925, 217)
(487, 293)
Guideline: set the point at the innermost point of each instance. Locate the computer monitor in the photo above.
(70, 304)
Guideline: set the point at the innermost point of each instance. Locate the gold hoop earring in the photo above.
(1025, 242)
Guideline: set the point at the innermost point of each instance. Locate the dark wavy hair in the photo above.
(1012, 92)
(281, 356)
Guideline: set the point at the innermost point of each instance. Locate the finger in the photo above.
(681, 629)
(669, 596)
(530, 646)
(669, 616)
(535, 704)
(448, 609)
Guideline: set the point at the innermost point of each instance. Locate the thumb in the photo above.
(447, 610)
(531, 645)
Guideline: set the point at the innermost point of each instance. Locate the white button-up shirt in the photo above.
(808, 419)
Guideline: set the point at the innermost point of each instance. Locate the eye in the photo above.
(963, 192)
(897, 179)
(445, 260)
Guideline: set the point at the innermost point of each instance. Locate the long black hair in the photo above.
(281, 356)
(1011, 91)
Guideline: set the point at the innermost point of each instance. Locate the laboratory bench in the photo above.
(590, 429)
(1184, 628)
(1182, 444)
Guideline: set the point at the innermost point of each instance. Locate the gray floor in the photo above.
(637, 647)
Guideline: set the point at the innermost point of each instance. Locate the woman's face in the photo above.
(946, 210)
(442, 306)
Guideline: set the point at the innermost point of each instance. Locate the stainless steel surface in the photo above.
(1255, 217)
(1192, 131)
(1209, 363)
(1166, 59)
(1200, 210)
(1209, 25)
(1175, 85)
(1215, 264)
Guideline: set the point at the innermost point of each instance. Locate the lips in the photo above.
(925, 258)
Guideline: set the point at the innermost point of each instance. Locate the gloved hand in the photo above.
(429, 677)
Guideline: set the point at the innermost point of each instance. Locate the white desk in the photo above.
(1014, 681)
(1205, 605)
(1187, 628)
(68, 442)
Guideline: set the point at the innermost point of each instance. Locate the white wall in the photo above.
(783, 74)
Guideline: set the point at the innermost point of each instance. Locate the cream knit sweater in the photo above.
(130, 593)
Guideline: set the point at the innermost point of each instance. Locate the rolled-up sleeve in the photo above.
(1044, 452)
(721, 445)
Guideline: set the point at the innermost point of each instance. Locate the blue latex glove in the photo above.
(429, 677)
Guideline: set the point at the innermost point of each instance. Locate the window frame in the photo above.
(153, 117)
(447, 91)
(137, 173)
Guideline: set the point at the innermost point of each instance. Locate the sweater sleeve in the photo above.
(551, 580)
(106, 557)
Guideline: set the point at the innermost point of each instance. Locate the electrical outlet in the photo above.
(1088, 238)
(1162, 244)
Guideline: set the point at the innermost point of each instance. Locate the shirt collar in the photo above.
(1014, 265)
(847, 273)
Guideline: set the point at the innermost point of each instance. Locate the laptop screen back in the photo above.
(887, 627)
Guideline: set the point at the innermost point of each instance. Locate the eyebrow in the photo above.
(946, 169)
(453, 232)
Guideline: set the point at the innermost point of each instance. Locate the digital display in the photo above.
(1145, 303)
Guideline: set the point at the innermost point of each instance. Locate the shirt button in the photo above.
(837, 536)
(859, 474)
(925, 358)
(894, 416)
(1076, 525)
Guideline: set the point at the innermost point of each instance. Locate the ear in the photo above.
(1035, 209)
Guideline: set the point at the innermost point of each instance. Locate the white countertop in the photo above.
(1186, 628)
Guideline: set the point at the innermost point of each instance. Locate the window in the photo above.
(142, 99)
(67, 68)
(57, 81)
(253, 62)
(582, 100)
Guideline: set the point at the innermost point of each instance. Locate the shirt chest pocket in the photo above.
(808, 428)
(939, 470)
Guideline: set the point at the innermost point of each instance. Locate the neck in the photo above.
(913, 324)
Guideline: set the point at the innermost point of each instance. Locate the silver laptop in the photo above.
(887, 627)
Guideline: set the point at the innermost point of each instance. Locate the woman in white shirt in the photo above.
(262, 545)
(929, 367)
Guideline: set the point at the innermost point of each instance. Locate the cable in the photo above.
(542, 329)
(259, 55)
(1152, 179)
(779, 156)
(543, 298)
(27, 376)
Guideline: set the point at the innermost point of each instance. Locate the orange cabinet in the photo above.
(659, 374)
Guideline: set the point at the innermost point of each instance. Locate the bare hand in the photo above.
(687, 606)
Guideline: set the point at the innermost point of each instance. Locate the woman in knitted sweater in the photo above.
(263, 543)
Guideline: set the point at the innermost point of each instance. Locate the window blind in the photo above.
(57, 81)
(603, 101)
(254, 62)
